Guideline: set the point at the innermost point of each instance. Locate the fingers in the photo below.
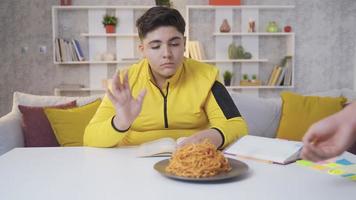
(308, 153)
(116, 83)
(121, 87)
(110, 96)
(126, 81)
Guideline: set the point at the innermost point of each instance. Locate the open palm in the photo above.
(126, 106)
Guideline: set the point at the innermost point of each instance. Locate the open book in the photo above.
(267, 149)
(160, 147)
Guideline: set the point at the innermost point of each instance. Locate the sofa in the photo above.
(261, 114)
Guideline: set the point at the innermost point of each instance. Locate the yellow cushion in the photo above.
(69, 125)
(300, 112)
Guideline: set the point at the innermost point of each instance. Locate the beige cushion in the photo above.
(20, 98)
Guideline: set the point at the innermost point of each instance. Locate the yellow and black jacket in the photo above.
(192, 100)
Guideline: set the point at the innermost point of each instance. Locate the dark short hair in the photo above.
(159, 16)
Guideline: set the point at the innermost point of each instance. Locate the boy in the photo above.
(175, 96)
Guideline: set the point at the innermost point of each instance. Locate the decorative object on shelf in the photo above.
(225, 2)
(105, 57)
(66, 2)
(247, 55)
(165, 3)
(272, 27)
(245, 77)
(247, 82)
(287, 29)
(251, 26)
(108, 57)
(254, 77)
(238, 52)
(232, 51)
(110, 22)
(225, 27)
(98, 57)
(227, 78)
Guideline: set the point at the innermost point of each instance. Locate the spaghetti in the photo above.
(198, 161)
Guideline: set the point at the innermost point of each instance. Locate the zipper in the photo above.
(164, 104)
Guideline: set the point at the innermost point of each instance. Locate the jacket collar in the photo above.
(173, 80)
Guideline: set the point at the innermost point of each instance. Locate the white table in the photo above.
(93, 173)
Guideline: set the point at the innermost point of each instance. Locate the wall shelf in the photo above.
(101, 7)
(108, 35)
(235, 61)
(204, 7)
(96, 62)
(256, 43)
(259, 87)
(254, 34)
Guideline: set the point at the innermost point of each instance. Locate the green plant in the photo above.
(227, 77)
(110, 20)
(163, 3)
(245, 77)
(254, 77)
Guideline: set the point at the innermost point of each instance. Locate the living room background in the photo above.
(325, 45)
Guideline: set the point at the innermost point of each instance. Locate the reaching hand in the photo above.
(330, 137)
(127, 108)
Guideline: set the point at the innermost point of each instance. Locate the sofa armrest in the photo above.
(11, 135)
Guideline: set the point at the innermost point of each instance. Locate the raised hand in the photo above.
(127, 108)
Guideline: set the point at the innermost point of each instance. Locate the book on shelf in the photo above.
(157, 148)
(196, 50)
(269, 82)
(68, 51)
(78, 50)
(288, 74)
(276, 75)
(266, 149)
(281, 76)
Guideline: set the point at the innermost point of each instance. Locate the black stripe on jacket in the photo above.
(225, 101)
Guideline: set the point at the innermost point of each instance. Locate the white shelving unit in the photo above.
(249, 40)
(108, 35)
(97, 41)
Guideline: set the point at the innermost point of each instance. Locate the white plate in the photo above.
(238, 168)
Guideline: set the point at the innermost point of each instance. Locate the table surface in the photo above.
(116, 173)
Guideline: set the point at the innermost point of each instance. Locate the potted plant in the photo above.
(166, 3)
(245, 77)
(254, 78)
(110, 22)
(227, 78)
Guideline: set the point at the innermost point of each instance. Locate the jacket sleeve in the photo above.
(223, 114)
(100, 132)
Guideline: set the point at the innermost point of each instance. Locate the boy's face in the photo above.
(164, 50)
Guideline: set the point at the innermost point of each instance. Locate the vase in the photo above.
(110, 28)
(66, 2)
(225, 27)
(227, 82)
(272, 27)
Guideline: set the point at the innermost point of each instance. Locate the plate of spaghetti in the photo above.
(200, 162)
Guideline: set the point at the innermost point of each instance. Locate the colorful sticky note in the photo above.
(344, 162)
(347, 175)
(353, 178)
(305, 163)
(336, 171)
(332, 165)
(319, 167)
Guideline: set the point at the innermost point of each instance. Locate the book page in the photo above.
(160, 147)
(269, 149)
